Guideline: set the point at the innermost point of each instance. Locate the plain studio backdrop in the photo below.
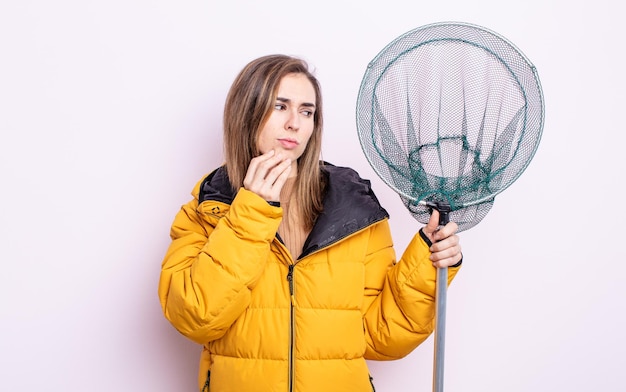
(110, 111)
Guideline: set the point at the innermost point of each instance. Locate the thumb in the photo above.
(433, 223)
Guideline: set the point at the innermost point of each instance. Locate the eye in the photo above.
(307, 109)
(280, 106)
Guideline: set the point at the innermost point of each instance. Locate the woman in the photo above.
(282, 266)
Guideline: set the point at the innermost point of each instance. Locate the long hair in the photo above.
(249, 104)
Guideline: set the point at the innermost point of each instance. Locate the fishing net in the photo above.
(450, 114)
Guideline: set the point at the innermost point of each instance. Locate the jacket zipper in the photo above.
(292, 329)
(207, 382)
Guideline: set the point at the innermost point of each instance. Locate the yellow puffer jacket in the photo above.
(271, 323)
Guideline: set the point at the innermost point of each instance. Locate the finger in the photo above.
(433, 223)
(446, 257)
(269, 177)
(273, 172)
(446, 248)
(445, 243)
(281, 179)
(254, 165)
(446, 231)
(448, 262)
(259, 167)
(265, 167)
(272, 185)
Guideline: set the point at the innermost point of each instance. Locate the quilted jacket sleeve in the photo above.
(213, 263)
(400, 297)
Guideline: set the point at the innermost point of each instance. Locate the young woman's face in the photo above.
(290, 125)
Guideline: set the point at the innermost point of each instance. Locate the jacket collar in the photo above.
(349, 204)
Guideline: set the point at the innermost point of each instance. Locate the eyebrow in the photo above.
(287, 100)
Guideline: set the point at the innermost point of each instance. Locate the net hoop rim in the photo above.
(513, 47)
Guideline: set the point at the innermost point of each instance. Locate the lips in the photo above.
(288, 143)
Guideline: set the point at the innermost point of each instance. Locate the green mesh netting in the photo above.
(450, 113)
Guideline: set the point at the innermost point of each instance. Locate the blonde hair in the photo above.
(249, 104)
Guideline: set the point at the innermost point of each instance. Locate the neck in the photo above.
(294, 169)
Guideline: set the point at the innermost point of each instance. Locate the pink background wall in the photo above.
(110, 112)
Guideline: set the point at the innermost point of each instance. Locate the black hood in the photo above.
(349, 204)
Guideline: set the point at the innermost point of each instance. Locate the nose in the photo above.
(293, 121)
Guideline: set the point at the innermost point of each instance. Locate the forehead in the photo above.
(296, 87)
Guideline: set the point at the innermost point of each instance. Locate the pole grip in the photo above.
(441, 301)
